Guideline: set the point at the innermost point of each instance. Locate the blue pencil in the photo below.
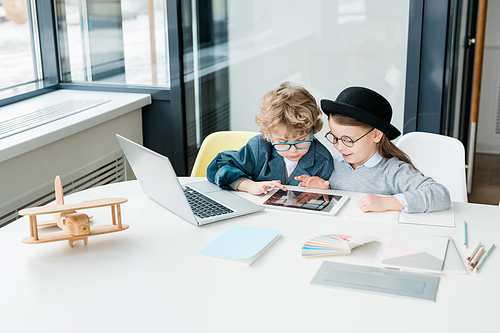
(465, 234)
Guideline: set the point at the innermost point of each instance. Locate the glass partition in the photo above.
(243, 49)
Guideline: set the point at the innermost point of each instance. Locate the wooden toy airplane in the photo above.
(75, 226)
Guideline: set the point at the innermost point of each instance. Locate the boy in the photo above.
(288, 119)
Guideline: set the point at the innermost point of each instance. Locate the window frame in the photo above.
(431, 43)
(165, 114)
(43, 17)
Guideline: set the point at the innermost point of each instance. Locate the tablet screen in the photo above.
(303, 200)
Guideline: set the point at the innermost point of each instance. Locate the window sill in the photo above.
(117, 104)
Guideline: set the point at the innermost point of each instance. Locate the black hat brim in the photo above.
(333, 107)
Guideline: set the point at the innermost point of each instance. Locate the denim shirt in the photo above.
(259, 161)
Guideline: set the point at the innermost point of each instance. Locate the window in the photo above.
(113, 41)
(19, 52)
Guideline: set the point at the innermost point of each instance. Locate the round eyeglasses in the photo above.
(303, 144)
(347, 141)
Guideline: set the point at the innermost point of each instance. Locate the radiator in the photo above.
(88, 158)
(107, 170)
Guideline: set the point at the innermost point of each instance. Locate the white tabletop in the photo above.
(147, 278)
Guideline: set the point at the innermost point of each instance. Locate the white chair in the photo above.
(440, 157)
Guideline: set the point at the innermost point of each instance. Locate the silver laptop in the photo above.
(196, 202)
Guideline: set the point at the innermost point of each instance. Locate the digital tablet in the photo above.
(326, 202)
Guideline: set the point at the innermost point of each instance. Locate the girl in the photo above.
(288, 119)
(361, 131)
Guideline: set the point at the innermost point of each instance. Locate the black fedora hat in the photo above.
(365, 105)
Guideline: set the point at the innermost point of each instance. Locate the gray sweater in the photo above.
(390, 177)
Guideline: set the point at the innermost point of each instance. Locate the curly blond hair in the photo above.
(291, 106)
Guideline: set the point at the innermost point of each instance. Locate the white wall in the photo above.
(487, 140)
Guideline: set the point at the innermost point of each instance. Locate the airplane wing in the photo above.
(61, 235)
(50, 209)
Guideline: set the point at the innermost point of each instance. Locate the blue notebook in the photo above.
(240, 244)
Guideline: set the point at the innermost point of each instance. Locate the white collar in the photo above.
(372, 161)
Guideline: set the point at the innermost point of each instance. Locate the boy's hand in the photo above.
(313, 182)
(375, 203)
(258, 188)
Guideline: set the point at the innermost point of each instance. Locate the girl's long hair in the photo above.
(385, 147)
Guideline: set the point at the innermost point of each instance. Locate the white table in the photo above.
(147, 279)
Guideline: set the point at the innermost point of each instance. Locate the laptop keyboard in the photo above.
(202, 206)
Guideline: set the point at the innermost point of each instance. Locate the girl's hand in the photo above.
(258, 188)
(375, 203)
(313, 182)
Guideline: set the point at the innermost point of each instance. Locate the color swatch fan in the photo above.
(333, 245)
